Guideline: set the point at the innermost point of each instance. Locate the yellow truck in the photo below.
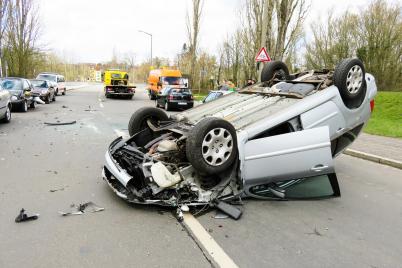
(159, 78)
(116, 84)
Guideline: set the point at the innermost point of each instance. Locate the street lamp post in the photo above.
(151, 42)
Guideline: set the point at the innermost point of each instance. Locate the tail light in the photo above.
(372, 105)
(170, 97)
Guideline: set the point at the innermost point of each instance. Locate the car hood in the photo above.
(15, 92)
(39, 89)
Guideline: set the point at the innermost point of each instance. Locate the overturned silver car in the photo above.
(273, 140)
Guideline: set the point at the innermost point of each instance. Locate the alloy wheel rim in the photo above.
(217, 146)
(354, 79)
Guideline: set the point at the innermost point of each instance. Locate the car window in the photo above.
(11, 84)
(212, 96)
(39, 83)
(49, 77)
(314, 187)
(25, 85)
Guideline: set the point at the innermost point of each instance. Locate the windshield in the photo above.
(39, 83)
(49, 77)
(11, 84)
(172, 81)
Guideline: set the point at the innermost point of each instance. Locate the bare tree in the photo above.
(193, 30)
(22, 34)
(3, 24)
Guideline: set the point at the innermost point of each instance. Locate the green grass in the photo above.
(386, 119)
(199, 97)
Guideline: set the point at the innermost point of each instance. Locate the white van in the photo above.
(59, 80)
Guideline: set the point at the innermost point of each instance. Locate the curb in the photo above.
(374, 158)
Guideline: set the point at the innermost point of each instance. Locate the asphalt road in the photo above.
(363, 228)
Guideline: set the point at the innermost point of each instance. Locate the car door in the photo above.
(290, 156)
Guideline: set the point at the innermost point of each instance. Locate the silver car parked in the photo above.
(5, 105)
(273, 140)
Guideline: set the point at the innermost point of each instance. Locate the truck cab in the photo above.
(160, 78)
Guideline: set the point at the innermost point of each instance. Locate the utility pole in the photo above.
(150, 35)
(263, 35)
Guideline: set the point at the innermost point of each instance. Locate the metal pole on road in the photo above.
(141, 31)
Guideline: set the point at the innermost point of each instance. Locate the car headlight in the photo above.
(44, 91)
(14, 98)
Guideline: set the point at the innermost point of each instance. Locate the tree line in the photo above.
(373, 34)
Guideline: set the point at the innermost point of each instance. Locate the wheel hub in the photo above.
(354, 79)
(217, 146)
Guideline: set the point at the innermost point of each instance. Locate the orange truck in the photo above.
(160, 78)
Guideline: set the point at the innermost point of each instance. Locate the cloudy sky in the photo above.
(90, 30)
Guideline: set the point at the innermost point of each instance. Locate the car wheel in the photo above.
(24, 107)
(167, 107)
(7, 117)
(64, 92)
(57, 92)
(54, 97)
(350, 79)
(274, 69)
(47, 100)
(32, 105)
(211, 146)
(138, 120)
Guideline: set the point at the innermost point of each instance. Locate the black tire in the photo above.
(64, 92)
(138, 120)
(275, 69)
(54, 97)
(195, 149)
(352, 94)
(57, 92)
(167, 106)
(24, 106)
(32, 105)
(7, 115)
(47, 100)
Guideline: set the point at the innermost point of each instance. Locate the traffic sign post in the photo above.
(262, 56)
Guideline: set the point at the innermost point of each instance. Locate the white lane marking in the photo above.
(121, 133)
(215, 253)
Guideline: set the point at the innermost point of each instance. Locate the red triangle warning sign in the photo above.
(262, 56)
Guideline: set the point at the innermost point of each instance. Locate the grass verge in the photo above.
(386, 119)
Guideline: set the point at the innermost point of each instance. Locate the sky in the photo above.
(90, 30)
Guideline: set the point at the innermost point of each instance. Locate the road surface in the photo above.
(45, 169)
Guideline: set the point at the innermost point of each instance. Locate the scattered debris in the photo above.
(64, 106)
(90, 109)
(316, 232)
(55, 190)
(230, 210)
(220, 215)
(58, 123)
(24, 217)
(82, 208)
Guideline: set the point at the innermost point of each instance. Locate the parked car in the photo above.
(45, 89)
(20, 90)
(5, 105)
(273, 140)
(175, 98)
(59, 80)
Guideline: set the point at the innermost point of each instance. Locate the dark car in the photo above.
(20, 90)
(175, 98)
(45, 89)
